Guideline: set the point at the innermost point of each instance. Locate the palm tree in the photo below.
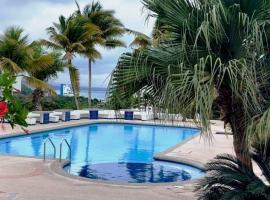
(215, 53)
(69, 35)
(228, 178)
(57, 65)
(111, 29)
(141, 41)
(17, 57)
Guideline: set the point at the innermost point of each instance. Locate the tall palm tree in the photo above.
(17, 57)
(215, 52)
(57, 65)
(69, 35)
(111, 29)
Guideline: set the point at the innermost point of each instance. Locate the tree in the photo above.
(18, 57)
(44, 75)
(228, 178)
(69, 35)
(214, 53)
(111, 29)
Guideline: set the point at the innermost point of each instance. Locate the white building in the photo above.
(65, 90)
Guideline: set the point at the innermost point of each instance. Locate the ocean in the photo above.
(97, 93)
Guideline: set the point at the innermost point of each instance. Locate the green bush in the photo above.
(17, 113)
(59, 102)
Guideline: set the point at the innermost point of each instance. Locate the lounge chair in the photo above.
(54, 118)
(107, 114)
(34, 115)
(59, 114)
(75, 115)
(145, 116)
(167, 116)
(84, 114)
(31, 121)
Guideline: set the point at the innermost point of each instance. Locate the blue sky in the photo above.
(36, 15)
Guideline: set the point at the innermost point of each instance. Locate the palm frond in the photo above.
(75, 80)
(41, 63)
(228, 178)
(51, 44)
(36, 83)
(9, 65)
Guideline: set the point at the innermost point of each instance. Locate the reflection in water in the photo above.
(113, 152)
(37, 143)
(154, 172)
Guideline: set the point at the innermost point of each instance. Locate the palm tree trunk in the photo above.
(240, 143)
(232, 112)
(73, 87)
(90, 82)
(36, 99)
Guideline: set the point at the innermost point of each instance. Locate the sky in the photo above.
(36, 15)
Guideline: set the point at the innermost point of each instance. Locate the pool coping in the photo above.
(58, 167)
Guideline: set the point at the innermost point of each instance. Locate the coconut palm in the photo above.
(215, 53)
(69, 35)
(141, 41)
(111, 29)
(17, 57)
(57, 65)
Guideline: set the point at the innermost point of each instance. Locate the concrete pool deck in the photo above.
(32, 179)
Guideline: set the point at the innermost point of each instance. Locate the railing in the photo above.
(44, 150)
(61, 145)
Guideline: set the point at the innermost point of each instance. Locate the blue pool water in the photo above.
(113, 152)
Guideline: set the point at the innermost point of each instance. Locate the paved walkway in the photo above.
(32, 179)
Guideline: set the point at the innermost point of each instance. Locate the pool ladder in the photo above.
(54, 148)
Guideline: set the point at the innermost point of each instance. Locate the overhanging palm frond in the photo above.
(75, 80)
(141, 41)
(9, 65)
(36, 83)
(214, 53)
(113, 43)
(41, 63)
(50, 44)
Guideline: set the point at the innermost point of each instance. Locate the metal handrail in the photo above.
(61, 145)
(44, 148)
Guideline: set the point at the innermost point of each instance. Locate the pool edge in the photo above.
(58, 167)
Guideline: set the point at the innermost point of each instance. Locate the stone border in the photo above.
(58, 167)
(162, 156)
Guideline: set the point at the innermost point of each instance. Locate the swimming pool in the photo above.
(112, 152)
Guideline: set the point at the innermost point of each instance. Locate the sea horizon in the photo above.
(97, 92)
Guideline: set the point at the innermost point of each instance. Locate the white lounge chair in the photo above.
(31, 121)
(145, 116)
(107, 114)
(34, 115)
(167, 116)
(54, 118)
(84, 114)
(75, 115)
(59, 114)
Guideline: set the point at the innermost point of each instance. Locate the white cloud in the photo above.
(35, 16)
